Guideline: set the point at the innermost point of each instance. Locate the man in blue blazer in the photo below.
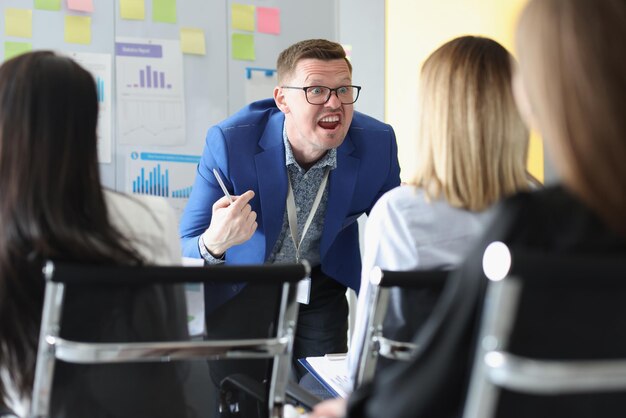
(301, 168)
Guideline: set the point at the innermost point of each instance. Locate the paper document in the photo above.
(332, 371)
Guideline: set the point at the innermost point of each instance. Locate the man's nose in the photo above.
(334, 100)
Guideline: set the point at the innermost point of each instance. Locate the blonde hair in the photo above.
(472, 143)
(573, 68)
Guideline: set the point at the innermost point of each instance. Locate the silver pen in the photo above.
(221, 183)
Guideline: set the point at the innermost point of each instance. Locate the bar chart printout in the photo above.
(99, 65)
(166, 175)
(150, 90)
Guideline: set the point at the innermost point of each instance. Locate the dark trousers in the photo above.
(322, 325)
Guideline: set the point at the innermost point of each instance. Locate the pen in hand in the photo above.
(221, 183)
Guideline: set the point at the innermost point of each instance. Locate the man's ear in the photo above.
(279, 98)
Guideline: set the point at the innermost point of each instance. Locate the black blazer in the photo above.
(434, 383)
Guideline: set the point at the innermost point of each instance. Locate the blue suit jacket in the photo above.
(248, 151)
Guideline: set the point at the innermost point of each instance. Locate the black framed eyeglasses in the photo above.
(319, 95)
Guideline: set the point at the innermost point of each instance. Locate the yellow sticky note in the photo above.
(242, 17)
(192, 41)
(133, 9)
(78, 29)
(18, 22)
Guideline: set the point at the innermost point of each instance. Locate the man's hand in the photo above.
(231, 224)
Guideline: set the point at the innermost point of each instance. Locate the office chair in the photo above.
(67, 284)
(552, 341)
(375, 344)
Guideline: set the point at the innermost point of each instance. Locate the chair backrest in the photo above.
(160, 289)
(553, 337)
(375, 344)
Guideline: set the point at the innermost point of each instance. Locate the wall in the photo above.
(362, 28)
(415, 28)
(205, 87)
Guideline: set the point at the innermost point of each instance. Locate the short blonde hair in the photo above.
(573, 68)
(472, 143)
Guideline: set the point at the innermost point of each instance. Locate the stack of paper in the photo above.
(331, 371)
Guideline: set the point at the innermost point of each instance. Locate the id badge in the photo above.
(304, 291)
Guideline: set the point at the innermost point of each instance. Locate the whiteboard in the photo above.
(213, 85)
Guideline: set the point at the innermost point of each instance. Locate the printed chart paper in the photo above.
(99, 65)
(167, 175)
(150, 92)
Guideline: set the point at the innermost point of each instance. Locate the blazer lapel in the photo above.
(272, 179)
(342, 182)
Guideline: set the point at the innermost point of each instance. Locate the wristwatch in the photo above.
(208, 257)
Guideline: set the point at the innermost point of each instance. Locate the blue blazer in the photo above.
(248, 151)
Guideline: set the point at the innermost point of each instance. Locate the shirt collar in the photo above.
(329, 159)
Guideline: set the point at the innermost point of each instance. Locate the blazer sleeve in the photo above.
(393, 175)
(205, 192)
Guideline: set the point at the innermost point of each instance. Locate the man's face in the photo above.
(314, 129)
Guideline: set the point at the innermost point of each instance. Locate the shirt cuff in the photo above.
(208, 257)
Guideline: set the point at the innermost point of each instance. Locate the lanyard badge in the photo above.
(304, 285)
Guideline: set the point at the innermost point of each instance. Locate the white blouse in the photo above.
(150, 224)
(406, 232)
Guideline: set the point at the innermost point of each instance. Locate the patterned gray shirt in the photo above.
(305, 185)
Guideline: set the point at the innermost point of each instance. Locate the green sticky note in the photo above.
(18, 22)
(12, 49)
(78, 29)
(164, 11)
(192, 41)
(133, 9)
(48, 4)
(242, 17)
(243, 47)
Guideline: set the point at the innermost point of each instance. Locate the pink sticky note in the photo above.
(268, 20)
(80, 5)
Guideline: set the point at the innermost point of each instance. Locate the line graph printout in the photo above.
(99, 65)
(150, 92)
(167, 175)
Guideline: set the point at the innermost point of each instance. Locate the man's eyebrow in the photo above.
(319, 82)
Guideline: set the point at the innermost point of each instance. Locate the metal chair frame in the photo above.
(52, 347)
(495, 368)
(375, 343)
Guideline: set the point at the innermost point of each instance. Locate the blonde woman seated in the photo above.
(471, 153)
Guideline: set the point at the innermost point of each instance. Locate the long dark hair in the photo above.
(51, 200)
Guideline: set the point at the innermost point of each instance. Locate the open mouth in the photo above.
(329, 122)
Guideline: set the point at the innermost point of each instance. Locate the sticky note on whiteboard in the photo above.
(18, 22)
(192, 41)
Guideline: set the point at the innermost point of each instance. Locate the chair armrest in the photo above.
(301, 396)
(243, 383)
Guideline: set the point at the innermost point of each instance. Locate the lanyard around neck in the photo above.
(293, 217)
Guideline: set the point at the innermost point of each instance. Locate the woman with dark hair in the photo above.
(52, 206)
